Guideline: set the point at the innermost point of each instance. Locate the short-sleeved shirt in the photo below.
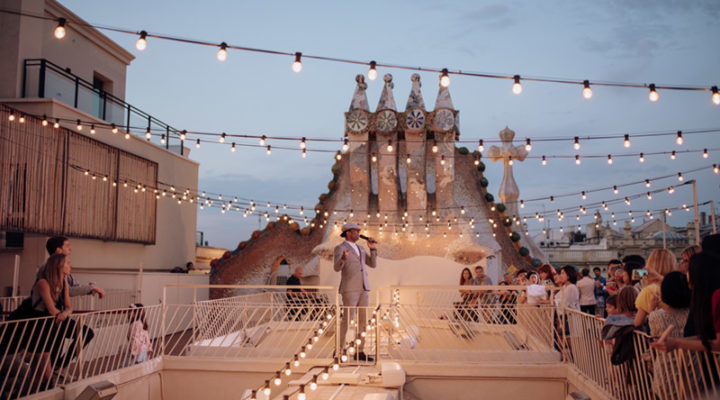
(642, 302)
(293, 281)
(586, 287)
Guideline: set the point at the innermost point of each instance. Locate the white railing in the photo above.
(650, 374)
(413, 324)
(114, 299)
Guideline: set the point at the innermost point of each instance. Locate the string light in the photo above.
(649, 196)
(222, 53)
(390, 146)
(715, 95)
(127, 135)
(304, 153)
(373, 157)
(262, 140)
(442, 160)
(615, 189)
(148, 135)
(222, 137)
(302, 143)
(517, 87)
(60, 28)
(114, 128)
(671, 189)
(92, 129)
(44, 120)
(576, 143)
(232, 148)
(705, 153)
(544, 161)
(372, 72)
(680, 176)
(162, 140)
(338, 155)
(587, 92)
(269, 150)
(528, 146)
(679, 139)
(345, 145)
(672, 155)
(435, 146)
(481, 148)
(577, 160)
(297, 65)
(141, 43)
(716, 169)
(79, 125)
(510, 160)
(182, 135)
(197, 144)
(445, 78)
(610, 160)
(56, 125)
(647, 182)
(408, 159)
(583, 195)
(626, 142)
(653, 96)
(642, 157)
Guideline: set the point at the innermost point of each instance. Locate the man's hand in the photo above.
(371, 245)
(345, 253)
(96, 289)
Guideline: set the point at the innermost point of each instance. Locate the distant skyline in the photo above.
(662, 42)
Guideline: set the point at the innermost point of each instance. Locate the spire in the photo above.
(415, 100)
(443, 99)
(387, 101)
(359, 100)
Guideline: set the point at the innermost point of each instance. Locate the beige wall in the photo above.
(83, 50)
(176, 223)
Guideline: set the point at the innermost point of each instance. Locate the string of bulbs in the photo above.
(60, 32)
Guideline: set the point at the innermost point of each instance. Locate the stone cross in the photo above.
(508, 153)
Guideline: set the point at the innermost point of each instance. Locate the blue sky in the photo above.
(662, 42)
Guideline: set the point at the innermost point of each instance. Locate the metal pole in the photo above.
(697, 222)
(664, 225)
(712, 210)
(16, 276)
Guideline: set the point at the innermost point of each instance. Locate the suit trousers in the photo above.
(351, 302)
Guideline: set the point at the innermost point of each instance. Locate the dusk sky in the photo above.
(661, 42)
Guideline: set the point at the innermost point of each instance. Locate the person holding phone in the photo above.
(660, 263)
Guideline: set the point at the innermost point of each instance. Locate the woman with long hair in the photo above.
(660, 263)
(51, 297)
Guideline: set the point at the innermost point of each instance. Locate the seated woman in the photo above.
(468, 298)
(51, 297)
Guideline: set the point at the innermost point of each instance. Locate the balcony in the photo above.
(44, 79)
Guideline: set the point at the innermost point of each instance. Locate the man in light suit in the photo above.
(352, 260)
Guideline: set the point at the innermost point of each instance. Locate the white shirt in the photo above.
(586, 286)
(355, 247)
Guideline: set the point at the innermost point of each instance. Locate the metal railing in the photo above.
(453, 324)
(649, 374)
(114, 299)
(44, 79)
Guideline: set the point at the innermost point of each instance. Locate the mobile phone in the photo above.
(638, 274)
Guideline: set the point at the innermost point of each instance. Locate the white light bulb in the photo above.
(297, 65)
(587, 92)
(372, 72)
(653, 95)
(141, 43)
(517, 87)
(444, 78)
(222, 53)
(60, 29)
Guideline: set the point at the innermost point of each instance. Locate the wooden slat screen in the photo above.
(44, 187)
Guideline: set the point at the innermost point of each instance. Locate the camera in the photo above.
(638, 274)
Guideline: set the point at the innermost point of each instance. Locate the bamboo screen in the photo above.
(58, 182)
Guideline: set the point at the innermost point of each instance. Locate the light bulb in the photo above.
(705, 153)
(269, 150)
(92, 129)
(262, 140)
(266, 391)
(442, 160)
(197, 143)
(716, 169)
(338, 156)
(182, 135)
(615, 189)
(313, 385)
(56, 125)
(715, 95)
(583, 195)
(576, 143)
(325, 375)
(647, 182)
(79, 125)
(302, 143)
(679, 139)
(297, 65)
(680, 176)
(587, 92)
(222, 53)
(162, 139)
(517, 87)
(373, 157)
(408, 159)
(222, 138)
(232, 148)
(345, 145)
(528, 146)
(610, 160)
(653, 96)
(304, 155)
(444, 78)
(642, 157)
(389, 146)
(141, 43)
(127, 135)
(577, 160)
(44, 121)
(372, 72)
(544, 160)
(510, 160)
(672, 155)
(435, 146)
(114, 128)
(60, 29)
(626, 142)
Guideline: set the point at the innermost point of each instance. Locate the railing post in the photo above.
(41, 83)
(79, 342)
(337, 324)
(194, 306)
(162, 328)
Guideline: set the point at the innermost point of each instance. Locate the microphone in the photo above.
(371, 240)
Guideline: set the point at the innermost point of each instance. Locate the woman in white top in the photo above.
(569, 294)
(586, 287)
